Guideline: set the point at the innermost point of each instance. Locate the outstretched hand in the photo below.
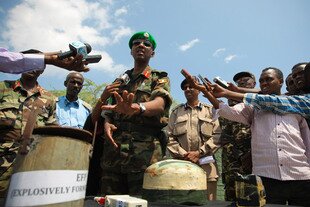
(233, 87)
(218, 91)
(124, 104)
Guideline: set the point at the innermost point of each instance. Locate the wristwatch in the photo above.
(142, 108)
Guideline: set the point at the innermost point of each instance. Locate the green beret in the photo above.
(142, 35)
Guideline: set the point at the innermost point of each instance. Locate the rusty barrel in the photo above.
(54, 172)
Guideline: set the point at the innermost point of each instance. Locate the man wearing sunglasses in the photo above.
(138, 111)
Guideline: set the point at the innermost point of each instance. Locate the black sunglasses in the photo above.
(146, 43)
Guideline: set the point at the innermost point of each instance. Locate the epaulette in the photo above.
(160, 73)
(206, 105)
(178, 106)
(86, 105)
(6, 86)
(9, 82)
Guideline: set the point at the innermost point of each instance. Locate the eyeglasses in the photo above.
(146, 43)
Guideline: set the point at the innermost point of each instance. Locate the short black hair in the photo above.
(298, 64)
(286, 79)
(277, 70)
(307, 68)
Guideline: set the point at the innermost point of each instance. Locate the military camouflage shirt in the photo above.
(236, 138)
(16, 105)
(137, 136)
(147, 86)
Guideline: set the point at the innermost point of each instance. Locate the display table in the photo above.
(91, 203)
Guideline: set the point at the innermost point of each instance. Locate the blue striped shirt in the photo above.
(298, 104)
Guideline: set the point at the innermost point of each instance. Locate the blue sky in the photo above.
(211, 38)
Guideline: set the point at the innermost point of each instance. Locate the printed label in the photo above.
(46, 187)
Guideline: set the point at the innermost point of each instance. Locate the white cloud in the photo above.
(230, 58)
(120, 11)
(188, 45)
(52, 25)
(120, 32)
(218, 52)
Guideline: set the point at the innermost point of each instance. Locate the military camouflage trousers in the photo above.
(123, 168)
(231, 165)
(8, 152)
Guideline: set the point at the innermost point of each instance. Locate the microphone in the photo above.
(123, 79)
(221, 82)
(76, 48)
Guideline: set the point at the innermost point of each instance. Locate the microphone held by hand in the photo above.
(76, 48)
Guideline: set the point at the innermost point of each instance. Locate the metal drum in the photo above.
(175, 182)
(54, 172)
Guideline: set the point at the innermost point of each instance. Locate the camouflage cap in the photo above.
(185, 82)
(142, 35)
(243, 74)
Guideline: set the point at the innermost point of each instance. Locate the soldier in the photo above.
(236, 140)
(70, 110)
(191, 130)
(17, 99)
(133, 125)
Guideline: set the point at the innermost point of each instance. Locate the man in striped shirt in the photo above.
(297, 104)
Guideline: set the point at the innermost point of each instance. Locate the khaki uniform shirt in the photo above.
(192, 129)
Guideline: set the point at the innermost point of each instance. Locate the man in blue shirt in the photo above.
(70, 110)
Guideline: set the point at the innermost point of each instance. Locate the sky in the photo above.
(211, 38)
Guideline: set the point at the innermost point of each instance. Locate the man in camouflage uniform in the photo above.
(192, 132)
(133, 124)
(17, 99)
(236, 137)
